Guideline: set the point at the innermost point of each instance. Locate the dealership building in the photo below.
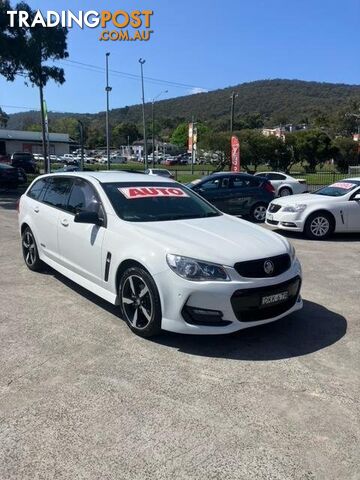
(20, 141)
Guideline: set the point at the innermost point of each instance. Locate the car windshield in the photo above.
(156, 202)
(163, 173)
(338, 189)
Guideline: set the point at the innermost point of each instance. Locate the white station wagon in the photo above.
(168, 258)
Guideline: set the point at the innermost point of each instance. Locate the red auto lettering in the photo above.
(175, 191)
(135, 192)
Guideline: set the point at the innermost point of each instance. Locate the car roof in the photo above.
(113, 176)
(355, 179)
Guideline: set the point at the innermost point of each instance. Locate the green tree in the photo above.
(313, 148)
(4, 118)
(346, 153)
(180, 135)
(122, 132)
(25, 51)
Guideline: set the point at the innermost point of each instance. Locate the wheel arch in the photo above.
(287, 186)
(125, 264)
(322, 210)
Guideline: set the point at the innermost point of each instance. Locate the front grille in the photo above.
(272, 222)
(273, 208)
(247, 304)
(256, 268)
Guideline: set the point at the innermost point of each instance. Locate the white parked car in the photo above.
(162, 172)
(284, 184)
(168, 258)
(335, 208)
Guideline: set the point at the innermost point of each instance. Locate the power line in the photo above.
(132, 76)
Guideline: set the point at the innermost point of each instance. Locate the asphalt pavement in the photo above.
(81, 397)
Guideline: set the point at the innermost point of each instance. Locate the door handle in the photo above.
(64, 223)
(36, 209)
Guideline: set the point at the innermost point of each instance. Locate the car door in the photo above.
(353, 213)
(46, 208)
(247, 193)
(236, 197)
(80, 244)
(211, 191)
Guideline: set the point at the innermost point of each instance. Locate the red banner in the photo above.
(235, 154)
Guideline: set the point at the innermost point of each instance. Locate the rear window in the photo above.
(155, 202)
(23, 156)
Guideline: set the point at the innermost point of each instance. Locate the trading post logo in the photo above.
(116, 26)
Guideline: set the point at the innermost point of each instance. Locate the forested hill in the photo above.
(275, 101)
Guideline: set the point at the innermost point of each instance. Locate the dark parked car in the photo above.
(11, 177)
(236, 193)
(24, 160)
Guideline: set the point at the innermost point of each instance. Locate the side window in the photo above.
(36, 190)
(276, 176)
(210, 184)
(58, 191)
(238, 182)
(83, 197)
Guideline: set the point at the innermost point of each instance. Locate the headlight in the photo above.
(298, 207)
(196, 270)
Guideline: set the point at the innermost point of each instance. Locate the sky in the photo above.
(197, 46)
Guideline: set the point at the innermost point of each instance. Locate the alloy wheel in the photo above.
(29, 248)
(137, 302)
(260, 213)
(320, 226)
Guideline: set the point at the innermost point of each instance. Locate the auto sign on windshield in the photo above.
(155, 202)
(146, 192)
(337, 189)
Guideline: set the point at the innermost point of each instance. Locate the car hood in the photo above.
(303, 198)
(224, 239)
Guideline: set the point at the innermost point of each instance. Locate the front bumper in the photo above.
(178, 294)
(291, 221)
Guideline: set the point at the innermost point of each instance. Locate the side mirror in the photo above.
(88, 217)
(356, 198)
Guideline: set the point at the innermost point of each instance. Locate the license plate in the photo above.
(270, 216)
(276, 298)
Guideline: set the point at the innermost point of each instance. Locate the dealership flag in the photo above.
(235, 154)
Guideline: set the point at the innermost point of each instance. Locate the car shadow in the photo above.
(311, 329)
(336, 237)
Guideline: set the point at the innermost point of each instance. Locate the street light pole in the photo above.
(81, 128)
(233, 96)
(108, 90)
(141, 61)
(153, 124)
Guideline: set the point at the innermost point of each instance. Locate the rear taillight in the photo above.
(268, 187)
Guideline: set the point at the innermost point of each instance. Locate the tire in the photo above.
(319, 226)
(258, 212)
(285, 191)
(30, 251)
(140, 302)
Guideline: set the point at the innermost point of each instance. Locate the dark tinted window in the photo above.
(83, 197)
(276, 176)
(57, 193)
(244, 182)
(23, 156)
(147, 203)
(36, 190)
(210, 184)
